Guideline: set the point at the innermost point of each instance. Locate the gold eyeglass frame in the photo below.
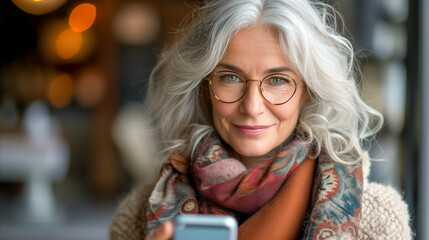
(252, 80)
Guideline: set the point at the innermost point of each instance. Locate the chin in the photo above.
(253, 152)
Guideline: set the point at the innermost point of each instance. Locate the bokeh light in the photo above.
(82, 17)
(58, 43)
(90, 87)
(38, 7)
(136, 23)
(60, 90)
(68, 44)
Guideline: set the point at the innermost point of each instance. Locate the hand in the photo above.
(163, 232)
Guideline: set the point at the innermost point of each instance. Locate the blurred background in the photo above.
(74, 136)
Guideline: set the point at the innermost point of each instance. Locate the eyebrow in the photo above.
(268, 71)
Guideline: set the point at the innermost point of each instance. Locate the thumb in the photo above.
(163, 232)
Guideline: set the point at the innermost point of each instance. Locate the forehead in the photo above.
(255, 51)
(259, 36)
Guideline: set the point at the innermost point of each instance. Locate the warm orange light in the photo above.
(58, 49)
(82, 17)
(38, 7)
(68, 44)
(60, 90)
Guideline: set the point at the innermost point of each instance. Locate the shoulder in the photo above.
(130, 217)
(384, 214)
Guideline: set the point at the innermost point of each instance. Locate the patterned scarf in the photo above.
(213, 182)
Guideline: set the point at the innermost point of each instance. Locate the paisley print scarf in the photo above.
(225, 180)
(214, 182)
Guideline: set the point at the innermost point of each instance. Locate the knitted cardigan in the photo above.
(384, 213)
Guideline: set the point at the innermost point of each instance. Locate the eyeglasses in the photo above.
(230, 87)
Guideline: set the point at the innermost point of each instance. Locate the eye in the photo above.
(229, 78)
(278, 81)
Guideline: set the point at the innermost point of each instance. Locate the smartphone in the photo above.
(206, 227)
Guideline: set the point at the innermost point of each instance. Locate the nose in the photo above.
(252, 104)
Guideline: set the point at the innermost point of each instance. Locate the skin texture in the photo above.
(255, 52)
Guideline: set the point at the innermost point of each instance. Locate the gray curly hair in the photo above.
(335, 117)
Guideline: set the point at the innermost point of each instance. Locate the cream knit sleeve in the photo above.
(384, 214)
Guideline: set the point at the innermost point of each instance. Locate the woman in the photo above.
(259, 114)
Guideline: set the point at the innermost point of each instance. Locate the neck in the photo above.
(251, 161)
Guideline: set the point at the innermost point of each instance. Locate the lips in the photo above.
(252, 130)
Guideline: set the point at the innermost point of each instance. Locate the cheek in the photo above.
(291, 110)
(288, 116)
(220, 113)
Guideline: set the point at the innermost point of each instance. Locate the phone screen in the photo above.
(202, 232)
(207, 227)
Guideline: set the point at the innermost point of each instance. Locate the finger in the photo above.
(163, 232)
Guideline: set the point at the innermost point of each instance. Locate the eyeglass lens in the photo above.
(230, 87)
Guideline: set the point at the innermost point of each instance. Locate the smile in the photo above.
(252, 130)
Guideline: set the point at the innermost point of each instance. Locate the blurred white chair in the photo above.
(36, 157)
